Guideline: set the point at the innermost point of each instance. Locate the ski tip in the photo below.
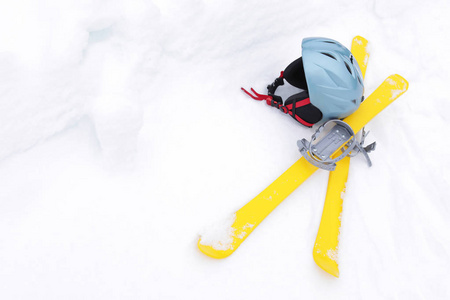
(360, 40)
(326, 263)
(399, 83)
(214, 253)
(402, 80)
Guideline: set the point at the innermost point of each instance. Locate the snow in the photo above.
(124, 132)
(333, 254)
(219, 235)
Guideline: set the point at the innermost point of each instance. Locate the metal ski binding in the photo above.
(338, 136)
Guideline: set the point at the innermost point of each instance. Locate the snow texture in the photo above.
(124, 131)
(333, 254)
(219, 235)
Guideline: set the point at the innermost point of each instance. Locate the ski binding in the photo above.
(329, 138)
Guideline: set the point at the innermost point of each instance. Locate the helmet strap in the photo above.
(271, 88)
(276, 101)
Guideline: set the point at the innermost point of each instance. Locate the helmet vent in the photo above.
(359, 79)
(329, 42)
(329, 55)
(354, 101)
(348, 67)
(351, 58)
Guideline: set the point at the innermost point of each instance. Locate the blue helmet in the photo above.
(333, 77)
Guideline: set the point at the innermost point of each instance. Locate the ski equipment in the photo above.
(319, 150)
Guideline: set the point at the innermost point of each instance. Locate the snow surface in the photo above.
(124, 132)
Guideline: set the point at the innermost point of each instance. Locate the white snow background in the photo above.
(123, 133)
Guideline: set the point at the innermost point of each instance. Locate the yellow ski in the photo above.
(326, 245)
(325, 252)
(253, 213)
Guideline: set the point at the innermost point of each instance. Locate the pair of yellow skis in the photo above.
(254, 212)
